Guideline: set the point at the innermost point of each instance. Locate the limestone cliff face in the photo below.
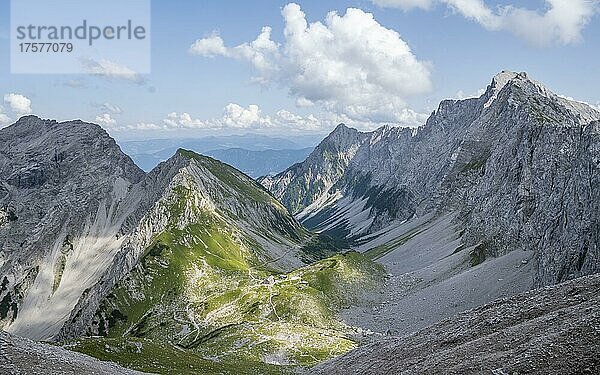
(309, 182)
(65, 209)
(519, 163)
(534, 183)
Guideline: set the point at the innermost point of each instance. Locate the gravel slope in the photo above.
(429, 280)
(20, 356)
(554, 330)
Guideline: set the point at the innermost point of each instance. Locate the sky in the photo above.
(286, 69)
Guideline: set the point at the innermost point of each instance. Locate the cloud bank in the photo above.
(234, 117)
(562, 21)
(251, 117)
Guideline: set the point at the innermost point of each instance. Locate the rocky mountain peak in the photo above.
(190, 156)
(186, 154)
(31, 125)
(341, 128)
(212, 166)
(183, 157)
(524, 88)
(67, 187)
(499, 81)
(24, 120)
(341, 140)
(504, 76)
(520, 80)
(341, 134)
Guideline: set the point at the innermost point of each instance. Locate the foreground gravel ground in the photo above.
(20, 356)
(554, 330)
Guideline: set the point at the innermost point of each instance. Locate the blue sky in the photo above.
(453, 51)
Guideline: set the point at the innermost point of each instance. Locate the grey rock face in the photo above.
(520, 163)
(63, 214)
(388, 174)
(306, 182)
(538, 187)
(554, 330)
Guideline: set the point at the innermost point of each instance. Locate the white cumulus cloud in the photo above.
(262, 53)
(19, 104)
(106, 120)
(210, 46)
(237, 117)
(176, 120)
(234, 117)
(294, 121)
(561, 21)
(349, 64)
(147, 126)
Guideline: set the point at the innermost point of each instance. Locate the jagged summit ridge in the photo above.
(34, 124)
(488, 158)
(531, 88)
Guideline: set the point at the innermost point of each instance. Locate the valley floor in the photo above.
(431, 278)
(416, 322)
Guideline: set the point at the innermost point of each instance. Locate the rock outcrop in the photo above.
(22, 356)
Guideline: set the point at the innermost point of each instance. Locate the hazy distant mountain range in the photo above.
(255, 155)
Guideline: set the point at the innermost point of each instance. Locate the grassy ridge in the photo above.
(200, 301)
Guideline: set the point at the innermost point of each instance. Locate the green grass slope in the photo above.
(201, 301)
